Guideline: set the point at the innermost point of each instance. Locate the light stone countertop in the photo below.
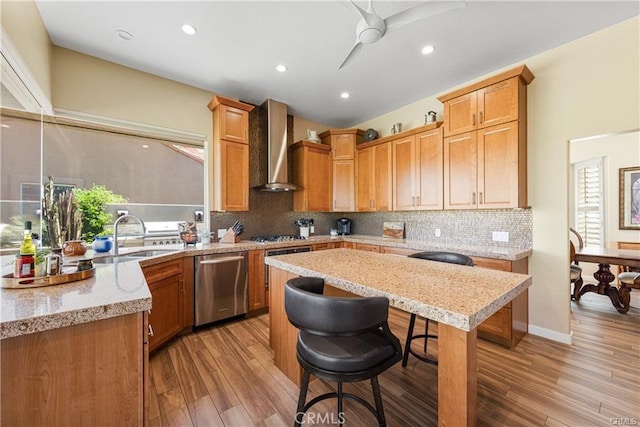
(119, 289)
(459, 296)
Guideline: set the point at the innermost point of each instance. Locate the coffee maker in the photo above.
(344, 226)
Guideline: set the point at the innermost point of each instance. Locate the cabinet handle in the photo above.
(150, 330)
(474, 198)
(473, 119)
(417, 200)
(182, 285)
(413, 200)
(481, 197)
(334, 204)
(481, 117)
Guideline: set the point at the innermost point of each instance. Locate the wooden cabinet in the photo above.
(343, 146)
(397, 251)
(168, 299)
(324, 246)
(417, 171)
(367, 247)
(485, 144)
(312, 172)
(348, 245)
(258, 292)
(93, 373)
(230, 153)
(511, 323)
(373, 177)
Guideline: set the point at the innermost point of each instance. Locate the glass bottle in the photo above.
(27, 247)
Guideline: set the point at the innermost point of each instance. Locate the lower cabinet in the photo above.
(258, 292)
(367, 247)
(511, 323)
(168, 300)
(94, 373)
(323, 246)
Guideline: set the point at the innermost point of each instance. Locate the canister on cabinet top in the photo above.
(52, 264)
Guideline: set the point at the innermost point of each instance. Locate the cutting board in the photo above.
(393, 230)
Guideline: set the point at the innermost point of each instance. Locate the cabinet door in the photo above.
(234, 124)
(312, 172)
(367, 247)
(498, 103)
(404, 173)
(235, 176)
(429, 170)
(364, 180)
(257, 289)
(343, 146)
(460, 114)
(344, 186)
(460, 171)
(498, 183)
(381, 177)
(166, 310)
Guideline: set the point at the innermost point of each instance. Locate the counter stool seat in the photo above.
(439, 256)
(630, 278)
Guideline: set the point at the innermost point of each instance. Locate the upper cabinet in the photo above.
(230, 153)
(373, 177)
(485, 144)
(312, 173)
(343, 150)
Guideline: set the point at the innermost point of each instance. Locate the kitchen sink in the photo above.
(149, 252)
(115, 259)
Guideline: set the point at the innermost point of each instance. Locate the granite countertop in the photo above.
(459, 296)
(119, 289)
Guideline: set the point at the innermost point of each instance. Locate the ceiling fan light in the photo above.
(428, 49)
(189, 29)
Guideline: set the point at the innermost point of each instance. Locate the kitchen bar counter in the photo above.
(458, 297)
(120, 288)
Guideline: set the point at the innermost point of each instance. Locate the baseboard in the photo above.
(551, 335)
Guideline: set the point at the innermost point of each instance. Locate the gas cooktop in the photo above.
(276, 238)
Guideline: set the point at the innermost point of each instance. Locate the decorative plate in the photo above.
(370, 135)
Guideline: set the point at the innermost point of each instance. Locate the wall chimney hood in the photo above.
(276, 133)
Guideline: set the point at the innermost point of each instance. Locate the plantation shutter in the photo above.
(589, 202)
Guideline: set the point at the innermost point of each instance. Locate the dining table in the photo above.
(458, 297)
(620, 296)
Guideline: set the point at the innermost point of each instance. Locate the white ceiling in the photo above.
(239, 43)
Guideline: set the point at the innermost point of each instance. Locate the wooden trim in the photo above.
(522, 71)
(404, 134)
(330, 132)
(310, 144)
(217, 100)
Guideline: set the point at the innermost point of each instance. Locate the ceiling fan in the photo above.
(372, 27)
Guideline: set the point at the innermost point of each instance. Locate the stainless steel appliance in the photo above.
(344, 226)
(220, 286)
(281, 251)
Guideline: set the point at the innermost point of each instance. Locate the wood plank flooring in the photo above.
(224, 376)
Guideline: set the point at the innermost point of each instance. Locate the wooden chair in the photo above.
(575, 271)
(629, 275)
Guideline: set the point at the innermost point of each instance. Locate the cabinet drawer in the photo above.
(499, 324)
(492, 264)
(397, 251)
(323, 246)
(366, 247)
(154, 273)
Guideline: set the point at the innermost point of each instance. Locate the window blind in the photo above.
(589, 201)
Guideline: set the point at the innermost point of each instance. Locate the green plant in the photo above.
(92, 203)
(61, 215)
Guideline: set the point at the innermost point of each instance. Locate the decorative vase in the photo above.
(102, 244)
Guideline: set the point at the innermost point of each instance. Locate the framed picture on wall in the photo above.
(630, 198)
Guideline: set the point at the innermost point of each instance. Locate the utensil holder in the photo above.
(229, 237)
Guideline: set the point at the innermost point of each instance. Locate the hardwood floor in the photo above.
(224, 376)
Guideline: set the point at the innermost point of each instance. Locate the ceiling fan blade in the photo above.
(356, 47)
(368, 15)
(419, 12)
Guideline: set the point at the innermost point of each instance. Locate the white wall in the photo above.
(588, 87)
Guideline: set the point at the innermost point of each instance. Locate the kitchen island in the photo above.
(459, 298)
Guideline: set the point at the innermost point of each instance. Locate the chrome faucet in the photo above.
(115, 230)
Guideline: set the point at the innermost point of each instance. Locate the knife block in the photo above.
(229, 237)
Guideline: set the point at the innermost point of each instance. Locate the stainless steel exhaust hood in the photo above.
(277, 174)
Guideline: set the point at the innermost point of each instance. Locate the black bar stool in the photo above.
(451, 258)
(340, 339)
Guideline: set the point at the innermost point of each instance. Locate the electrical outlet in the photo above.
(221, 232)
(500, 236)
(436, 232)
(198, 216)
(312, 229)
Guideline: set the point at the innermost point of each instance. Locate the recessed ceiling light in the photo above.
(124, 35)
(145, 146)
(189, 29)
(4, 125)
(344, 95)
(428, 49)
(281, 68)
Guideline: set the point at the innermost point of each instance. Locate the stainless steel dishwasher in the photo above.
(220, 286)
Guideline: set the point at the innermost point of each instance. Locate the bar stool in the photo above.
(448, 257)
(340, 339)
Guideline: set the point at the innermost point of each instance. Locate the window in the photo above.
(589, 201)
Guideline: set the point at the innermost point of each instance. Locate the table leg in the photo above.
(457, 377)
(620, 298)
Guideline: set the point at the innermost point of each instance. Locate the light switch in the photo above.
(500, 236)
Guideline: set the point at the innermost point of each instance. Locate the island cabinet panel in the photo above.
(511, 323)
(312, 173)
(230, 119)
(258, 293)
(88, 374)
(168, 301)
